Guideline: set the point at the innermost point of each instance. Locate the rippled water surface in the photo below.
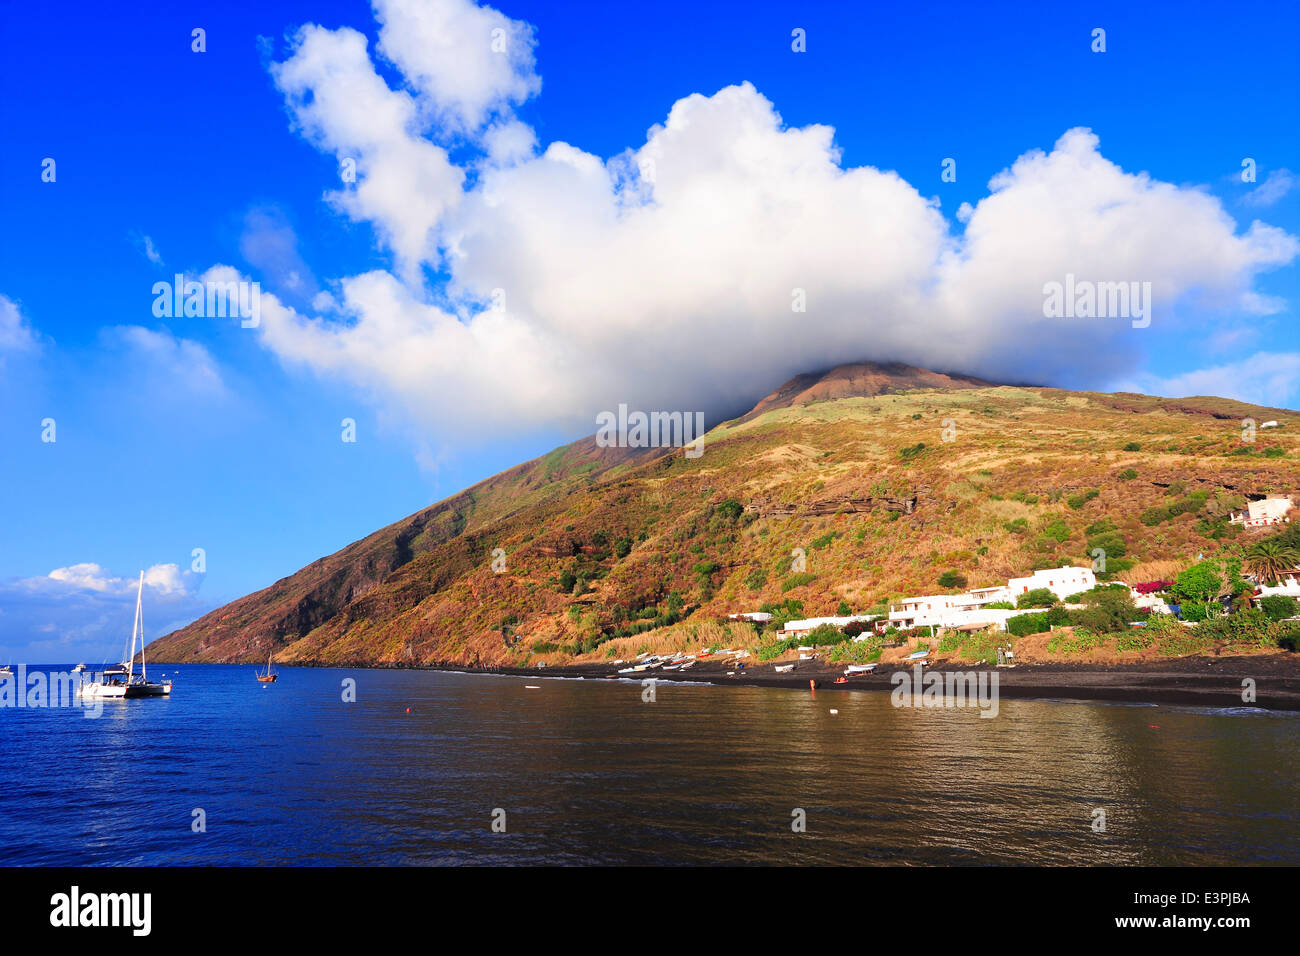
(587, 772)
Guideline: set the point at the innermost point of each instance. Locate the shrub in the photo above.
(1112, 543)
(1128, 474)
(1038, 597)
(1082, 498)
(912, 451)
(825, 636)
(1022, 625)
(952, 579)
(731, 509)
(1153, 516)
(1057, 529)
(797, 580)
(1109, 609)
(1132, 446)
(1273, 451)
(1199, 610)
(1201, 582)
(756, 579)
(1278, 606)
(706, 569)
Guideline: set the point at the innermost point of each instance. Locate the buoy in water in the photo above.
(408, 710)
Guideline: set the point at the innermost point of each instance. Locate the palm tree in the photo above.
(1270, 559)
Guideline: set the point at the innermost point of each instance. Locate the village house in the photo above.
(1060, 581)
(1261, 514)
(808, 625)
(1288, 586)
(754, 617)
(970, 610)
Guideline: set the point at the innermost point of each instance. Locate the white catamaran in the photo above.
(121, 680)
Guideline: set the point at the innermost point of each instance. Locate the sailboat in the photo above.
(121, 680)
(269, 676)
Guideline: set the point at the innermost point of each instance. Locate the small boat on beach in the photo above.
(783, 668)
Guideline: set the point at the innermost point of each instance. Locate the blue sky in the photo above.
(183, 433)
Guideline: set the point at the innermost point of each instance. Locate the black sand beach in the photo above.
(1198, 681)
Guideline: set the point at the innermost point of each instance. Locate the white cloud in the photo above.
(663, 277)
(15, 334)
(1265, 378)
(149, 250)
(1275, 185)
(163, 579)
(175, 363)
(269, 244)
(467, 61)
(404, 184)
(83, 612)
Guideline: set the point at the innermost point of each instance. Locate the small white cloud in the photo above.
(270, 245)
(149, 250)
(88, 576)
(1275, 185)
(177, 363)
(15, 334)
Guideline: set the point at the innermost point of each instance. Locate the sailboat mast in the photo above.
(130, 661)
(144, 672)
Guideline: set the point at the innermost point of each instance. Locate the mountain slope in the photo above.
(885, 477)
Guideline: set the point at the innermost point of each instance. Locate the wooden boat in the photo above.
(269, 676)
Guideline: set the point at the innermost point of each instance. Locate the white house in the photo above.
(925, 610)
(1260, 514)
(948, 610)
(1289, 586)
(797, 628)
(1060, 581)
(756, 617)
(1150, 602)
(970, 609)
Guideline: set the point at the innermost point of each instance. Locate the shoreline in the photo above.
(1197, 681)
